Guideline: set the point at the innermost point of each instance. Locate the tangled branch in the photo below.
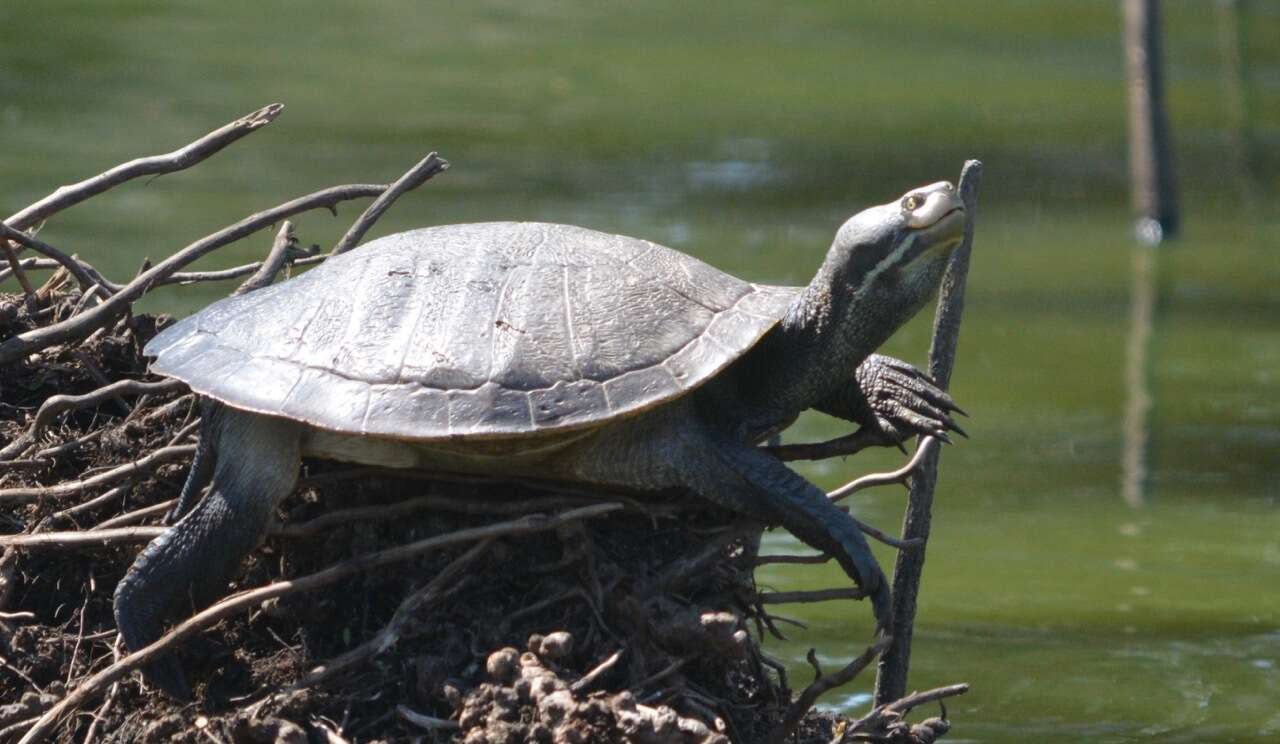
(94, 685)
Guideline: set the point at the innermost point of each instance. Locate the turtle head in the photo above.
(894, 255)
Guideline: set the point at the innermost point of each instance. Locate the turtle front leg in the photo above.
(190, 565)
(893, 401)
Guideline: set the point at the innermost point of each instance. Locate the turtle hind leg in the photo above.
(762, 487)
(201, 463)
(190, 565)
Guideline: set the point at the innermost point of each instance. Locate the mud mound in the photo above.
(634, 626)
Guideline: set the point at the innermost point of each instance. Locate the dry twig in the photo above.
(440, 586)
(821, 684)
(85, 323)
(430, 723)
(850, 444)
(284, 241)
(815, 595)
(901, 475)
(111, 531)
(137, 468)
(587, 680)
(182, 158)
(16, 269)
(85, 275)
(885, 720)
(412, 179)
(57, 404)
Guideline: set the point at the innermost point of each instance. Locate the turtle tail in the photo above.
(190, 565)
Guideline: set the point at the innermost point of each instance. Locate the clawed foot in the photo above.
(905, 401)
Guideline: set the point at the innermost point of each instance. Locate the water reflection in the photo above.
(1137, 410)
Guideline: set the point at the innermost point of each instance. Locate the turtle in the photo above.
(547, 352)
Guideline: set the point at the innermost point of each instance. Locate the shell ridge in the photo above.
(506, 283)
(568, 321)
(413, 331)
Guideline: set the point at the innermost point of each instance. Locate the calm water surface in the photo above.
(744, 133)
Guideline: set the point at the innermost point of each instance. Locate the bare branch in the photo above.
(137, 515)
(135, 469)
(887, 539)
(820, 685)
(85, 275)
(109, 532)
(816, 595)
(94, 685)
(99, 538)
(886, 720)
(82, 325)
(430, 723)
(180, 159)
(764, 560)
(91, 504)
(57, 404)
(412, 606)
(27, 264)
(927, 445)
(587, 680)
(850, 444)
(412, 179)
(16, 269)
(916, 699)
(267, 270)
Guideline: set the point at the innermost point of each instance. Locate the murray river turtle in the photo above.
(545, 352)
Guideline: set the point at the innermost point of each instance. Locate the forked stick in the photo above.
(822, 683)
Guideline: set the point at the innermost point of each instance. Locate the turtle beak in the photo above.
(939, 221)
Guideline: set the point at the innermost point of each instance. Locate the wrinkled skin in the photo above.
(883, 266)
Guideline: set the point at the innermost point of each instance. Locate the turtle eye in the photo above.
(912, 202)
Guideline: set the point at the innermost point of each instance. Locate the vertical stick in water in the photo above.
(1150, 155)
(891, 678)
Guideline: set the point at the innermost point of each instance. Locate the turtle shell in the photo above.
(488, 330)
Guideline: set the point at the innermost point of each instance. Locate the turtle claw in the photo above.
(906, 402)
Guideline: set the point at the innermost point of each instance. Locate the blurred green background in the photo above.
(744, 133)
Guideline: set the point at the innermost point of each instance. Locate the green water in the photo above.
(744, 133)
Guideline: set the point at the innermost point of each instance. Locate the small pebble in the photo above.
(556, 646)
(501, 664)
